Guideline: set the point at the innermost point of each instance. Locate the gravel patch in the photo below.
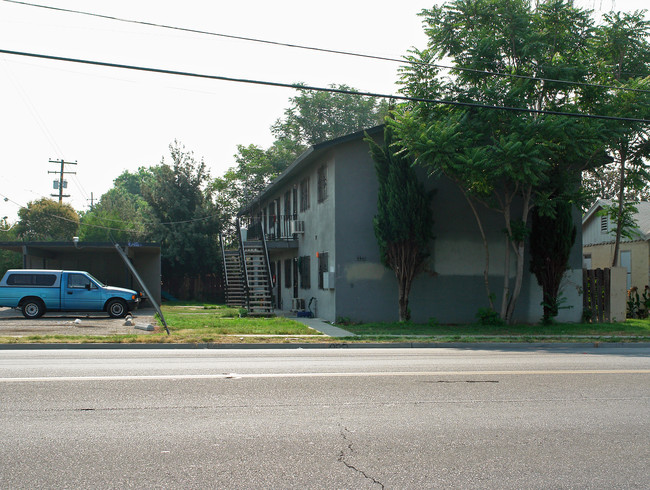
(13, 324)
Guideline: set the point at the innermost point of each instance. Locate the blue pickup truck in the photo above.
(36, 291)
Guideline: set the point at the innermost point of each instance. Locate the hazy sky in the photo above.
(109, 120)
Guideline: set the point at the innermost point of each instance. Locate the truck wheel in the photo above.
(116, 308)
(33, 308)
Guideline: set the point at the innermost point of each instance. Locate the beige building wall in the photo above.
(601, 258)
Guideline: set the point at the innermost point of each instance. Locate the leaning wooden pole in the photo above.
(128, 263)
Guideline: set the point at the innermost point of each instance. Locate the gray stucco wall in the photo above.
(317, 238)
(452, 289)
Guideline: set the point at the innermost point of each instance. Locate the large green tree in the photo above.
(172, 203)
(404, 221)
(47, 220)
(186, 219)
(9, 259)
(553, 234)
(621, 51)
(120, 215)
(501, 158)
(313, 117)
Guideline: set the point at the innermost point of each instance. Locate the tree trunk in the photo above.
(520, 251)
(519, 254)
(406, 262)
(506, 281)
(486, 270)
(619, 218)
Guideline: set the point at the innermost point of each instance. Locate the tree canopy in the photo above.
(47, 220)
(313, 117)
(502, 158)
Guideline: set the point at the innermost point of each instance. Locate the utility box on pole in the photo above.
(61, 184)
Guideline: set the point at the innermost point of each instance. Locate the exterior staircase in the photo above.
(235, 288)
(259, 283)
(248, 280)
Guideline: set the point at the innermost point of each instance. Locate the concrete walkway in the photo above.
(318, 324)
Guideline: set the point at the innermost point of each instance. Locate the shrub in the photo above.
(487, 316)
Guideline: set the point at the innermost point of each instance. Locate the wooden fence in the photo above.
(596, 297)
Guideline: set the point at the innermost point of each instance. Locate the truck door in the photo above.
(80, 293)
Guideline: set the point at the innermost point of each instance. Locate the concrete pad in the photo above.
(322, 326)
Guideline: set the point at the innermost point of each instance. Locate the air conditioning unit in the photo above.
(329, 279)
(296, 227)
(298, 304)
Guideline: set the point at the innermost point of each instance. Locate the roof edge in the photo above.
(305, 156)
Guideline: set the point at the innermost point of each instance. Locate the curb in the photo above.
(396, 345)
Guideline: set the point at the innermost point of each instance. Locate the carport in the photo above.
(101, 259)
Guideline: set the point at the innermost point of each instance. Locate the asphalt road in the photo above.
(352, 418)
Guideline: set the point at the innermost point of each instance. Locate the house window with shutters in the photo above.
(322, 183)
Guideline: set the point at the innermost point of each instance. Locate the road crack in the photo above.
(345, 454)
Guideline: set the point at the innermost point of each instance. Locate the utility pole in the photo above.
(61, 183)
(92, 201)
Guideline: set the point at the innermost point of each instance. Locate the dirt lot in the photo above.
(13, 324)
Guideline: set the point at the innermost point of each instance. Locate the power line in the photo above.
(326, 50)
(132, 223)
(297, 86)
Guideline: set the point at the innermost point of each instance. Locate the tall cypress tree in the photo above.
(551, 240)
(404, 221)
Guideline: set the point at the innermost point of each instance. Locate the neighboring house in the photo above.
(598, 236)
(318, 222)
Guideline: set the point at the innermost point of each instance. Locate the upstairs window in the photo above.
(304, 194)
(287, 203)
(322, 183)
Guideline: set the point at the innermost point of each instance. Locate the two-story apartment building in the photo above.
(323, 254)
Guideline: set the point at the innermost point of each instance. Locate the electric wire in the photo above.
(297, 86)
(326, 50)
(143, 223)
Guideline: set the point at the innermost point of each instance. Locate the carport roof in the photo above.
(68, 246)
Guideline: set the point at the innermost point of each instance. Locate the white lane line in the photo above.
(319, 375)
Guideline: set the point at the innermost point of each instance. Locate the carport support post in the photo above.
(137, 276)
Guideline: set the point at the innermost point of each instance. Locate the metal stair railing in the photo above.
(242, 257)
(225, 266)
(268, 267)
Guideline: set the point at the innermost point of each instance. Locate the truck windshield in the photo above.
(99, 283)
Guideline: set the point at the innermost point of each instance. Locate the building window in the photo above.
(304, 194)
(323, 265)
(287, 204)
(287, 273)
(586, 261)
(304, 265)
(604, 224)
(322, 183)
